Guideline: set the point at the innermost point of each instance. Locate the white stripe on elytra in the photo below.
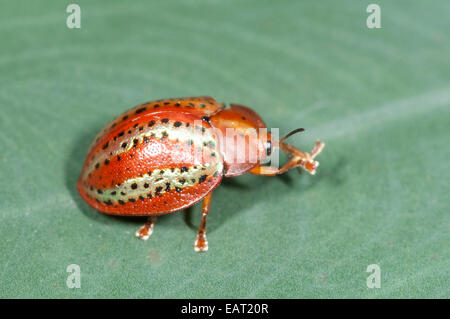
(182, 134)
(157, 178)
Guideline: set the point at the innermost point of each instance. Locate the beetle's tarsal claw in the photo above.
(318, 147)
(201, 243)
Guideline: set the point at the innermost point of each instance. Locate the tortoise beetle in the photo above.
(166, 155)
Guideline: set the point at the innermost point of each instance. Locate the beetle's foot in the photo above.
(201, 243)
(144, 232)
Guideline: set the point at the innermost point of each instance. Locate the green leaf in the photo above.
(378, 98)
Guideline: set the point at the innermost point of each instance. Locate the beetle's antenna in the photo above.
(298, 130)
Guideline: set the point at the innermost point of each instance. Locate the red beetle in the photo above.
(166, 155)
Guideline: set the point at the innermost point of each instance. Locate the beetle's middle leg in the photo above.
(201, 243)
(145, 231)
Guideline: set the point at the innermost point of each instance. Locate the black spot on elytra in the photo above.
(135, 125)
(134, 186)
(121, 202)
(97, 165)
(187, 124)
(149, 195)
(122, 193)
(121, 133)
(178, 189)
(146, 185)
(141, 197)
(125, 117)
(205, 118)
(184, 169)
(156, 106)
(108, 202)
(146, 139)
(142, 109)
(118, 158)
(149, 173)
(167, 187)
(124, 144)
(131, 200)
(177, 124)
(135, 142)
(177, 104)
(106, 161)
(164, 134)
(182, 180)
(113, 193)
(105, 146)
(202, 178)
(141, 128)
(165, 120)
(99, 191)
(151, 123)
(243, 117)
(158, 190)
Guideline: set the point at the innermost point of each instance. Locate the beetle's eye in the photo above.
(268, 146)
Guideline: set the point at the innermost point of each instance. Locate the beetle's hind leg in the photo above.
(145, 231)
(201, 243)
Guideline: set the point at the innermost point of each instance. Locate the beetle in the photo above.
(166, 155)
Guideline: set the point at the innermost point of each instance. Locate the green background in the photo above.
(379, 98)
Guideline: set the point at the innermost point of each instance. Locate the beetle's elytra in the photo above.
(166, 155)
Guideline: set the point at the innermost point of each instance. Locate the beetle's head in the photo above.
(299, 158)
(243, 137)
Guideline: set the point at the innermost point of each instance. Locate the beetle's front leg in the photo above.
(271, 170)
(145, 231)
(201, 243)
(297, 159)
